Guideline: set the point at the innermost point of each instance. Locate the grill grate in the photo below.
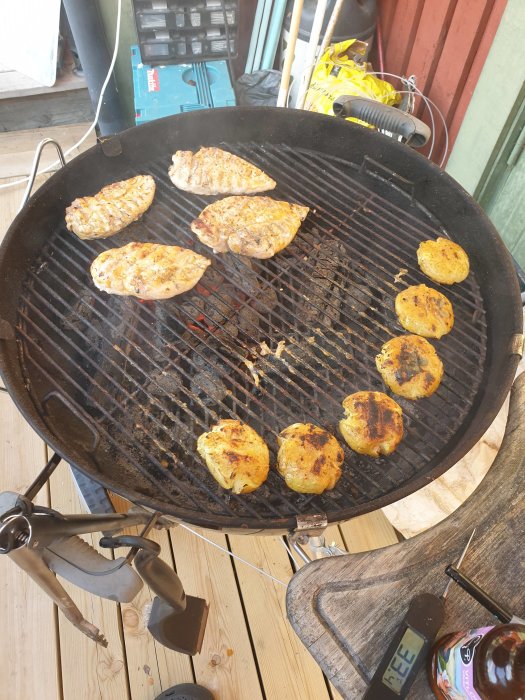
(149, 377)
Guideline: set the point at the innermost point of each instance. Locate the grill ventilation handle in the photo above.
(415, 132)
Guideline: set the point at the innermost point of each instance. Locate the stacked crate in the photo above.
(181, 31)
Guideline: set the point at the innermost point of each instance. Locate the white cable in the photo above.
(234, 556)
(97, 112)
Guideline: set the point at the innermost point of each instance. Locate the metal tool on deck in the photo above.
(43, 542)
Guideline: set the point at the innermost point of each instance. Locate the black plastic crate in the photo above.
(174, 31)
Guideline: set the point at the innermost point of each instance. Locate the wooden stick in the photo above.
(331, 26)
(290, 51)
(309, 62)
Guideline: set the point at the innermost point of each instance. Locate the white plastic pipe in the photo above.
(255, 35)
(290, 51)
(309, 61)
(265, 20)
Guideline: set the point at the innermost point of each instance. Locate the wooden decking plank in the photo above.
(226, 664)
(370, 531)
(89, 671)
(152, 667)
(28, 641)
(28, 616)
(287, 669)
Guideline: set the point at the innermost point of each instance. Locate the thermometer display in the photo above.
(403, 660)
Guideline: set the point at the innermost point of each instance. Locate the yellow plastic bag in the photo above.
(337, 74)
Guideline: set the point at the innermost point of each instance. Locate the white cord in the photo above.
(97, 112)
(234, 556)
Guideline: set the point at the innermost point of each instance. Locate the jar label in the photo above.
(454, 667)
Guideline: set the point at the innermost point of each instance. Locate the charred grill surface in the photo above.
(270, 342)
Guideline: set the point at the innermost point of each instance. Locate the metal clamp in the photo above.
(36, 162)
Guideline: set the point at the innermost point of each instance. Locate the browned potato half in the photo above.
(112, 209)
(309, 458)
(424, 311)
(443, 261)
(237, 457)
(374, 423)
(410, 366)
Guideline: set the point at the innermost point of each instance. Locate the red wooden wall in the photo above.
(444, 43)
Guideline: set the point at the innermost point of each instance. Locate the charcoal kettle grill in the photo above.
(121, 388)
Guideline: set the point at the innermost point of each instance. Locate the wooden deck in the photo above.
(250, 652)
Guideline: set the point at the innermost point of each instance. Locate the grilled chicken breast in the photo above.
(443, 261)
(148, 270)
(374, 423)
(237, 457)
(214, 171)
(309, 458)
(424, 311)
(410, 366)
(258, 227)
(112, 209)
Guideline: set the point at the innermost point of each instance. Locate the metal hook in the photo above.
(34, 167)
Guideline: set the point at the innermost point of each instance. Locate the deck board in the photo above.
(89, 671)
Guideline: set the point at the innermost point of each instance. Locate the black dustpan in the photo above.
(176, 620)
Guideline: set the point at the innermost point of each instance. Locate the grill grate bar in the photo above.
(464, 294)
(414, 414)
(292, 417)
(210, 331)
(233, 414)
(252, 413)
(151, 398)
(61, 371)
(457, 392)
(118, 424)
(364, 240)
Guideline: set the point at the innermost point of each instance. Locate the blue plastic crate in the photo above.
(163, 90)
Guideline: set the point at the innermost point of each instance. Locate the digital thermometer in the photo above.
(408, 649)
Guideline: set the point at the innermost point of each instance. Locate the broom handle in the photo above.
(331, 26)
(309, 62)
(290, 51)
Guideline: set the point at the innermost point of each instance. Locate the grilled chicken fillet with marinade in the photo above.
(237, 457)
(112, 209)
(373, 424)
(309, 458)
(148, 270)
(214, 171)
(258, 227)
